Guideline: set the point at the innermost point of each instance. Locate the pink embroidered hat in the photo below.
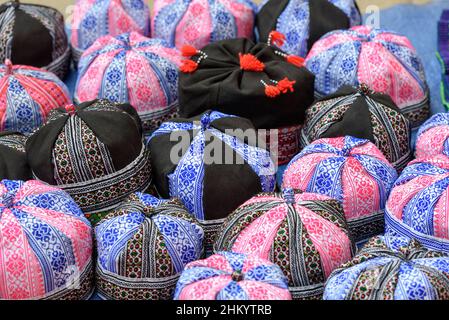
(386, 61)
(199, 22)
(433, 136)
(351, 170)
(93, 19)
(305, 234)
(131, 68)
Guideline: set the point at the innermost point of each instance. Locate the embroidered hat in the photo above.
(132, 68)
(254, 81)
(93, 19)
(391, 269)
(27, 95)
(433, 136)
(212, 169)
(198, 23)
(386, 61)
(45, 244)
(13, 161)
(364, 114)
(351, 170)
(93, 151)
(143, 246)
(232, 276)
(34, 35)
(304, 22)
(417, 206)
(305, 234)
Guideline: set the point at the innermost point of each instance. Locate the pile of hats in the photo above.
(165, 163)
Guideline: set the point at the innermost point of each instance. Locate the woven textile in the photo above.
(135, 69)
(45, 244)
(433, 135)
(305, 234)
(13, 161)
(386, 61)
(351, 170)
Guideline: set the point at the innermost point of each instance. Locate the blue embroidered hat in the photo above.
(391, 268)
(433, 136)
(143, 246)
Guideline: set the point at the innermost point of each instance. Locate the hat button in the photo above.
(237, 276)
(205, 121)
(289, 195)
(70, 108)
(8, 67)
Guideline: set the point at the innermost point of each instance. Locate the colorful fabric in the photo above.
(361, 113)
(27, 95)
(93, 19)
(390, 268)
(418, 204)
(305, 234)
(200, 22)
(232, 276)
(13, 161)
(94, 152)
(351, 170)
(143, 246)
(135, 69)
(45, 244)
(34, 35)
(304, 21)
(386, 61)
(433, 137)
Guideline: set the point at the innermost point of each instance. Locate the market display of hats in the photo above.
(34, 35)
(13, 160)
(305, 234)
(232, 276)
(386, 61)
(433, 136)
(94, 151)
(93, 19)
(198, 23)
(143, 246)
(217, 169)
(362, 113)
(27, 95)
(45, 244)
(391, 269)
(254, 81)
(351, 170)
(135, 69)
(417, 206)
(304, 22)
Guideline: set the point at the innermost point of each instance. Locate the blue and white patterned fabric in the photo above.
(433, 136)
(391, 268)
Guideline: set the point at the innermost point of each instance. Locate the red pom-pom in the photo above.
(188, 66)
(285, 85)
(70, 109)
(249, 62)
(296, 60)
(272, 91)
(188, 51)
(277, 38)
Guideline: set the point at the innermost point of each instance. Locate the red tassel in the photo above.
(272, 91)
(285, 85)
(296, 60)
(249, 62)
(188, 66)
(188, 51)
(277, 38)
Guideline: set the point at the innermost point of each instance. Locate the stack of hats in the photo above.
(132, 68)
(13, 160)
(433, 137)
(93, 19)
(198, 23)
(387, 62)
(34, 35)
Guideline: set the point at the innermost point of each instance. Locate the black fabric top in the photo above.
(220, 84)
(13, 161)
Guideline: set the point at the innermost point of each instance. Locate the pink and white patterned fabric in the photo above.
(27, 95)
(351, 170)
(45, 244)
(433, 137)
(200, 22)
(131, 68)
(386, 61)
(93, 19)
(232, 276)
(305, 234)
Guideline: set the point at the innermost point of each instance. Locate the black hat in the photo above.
(34, 35)
(13, 161)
